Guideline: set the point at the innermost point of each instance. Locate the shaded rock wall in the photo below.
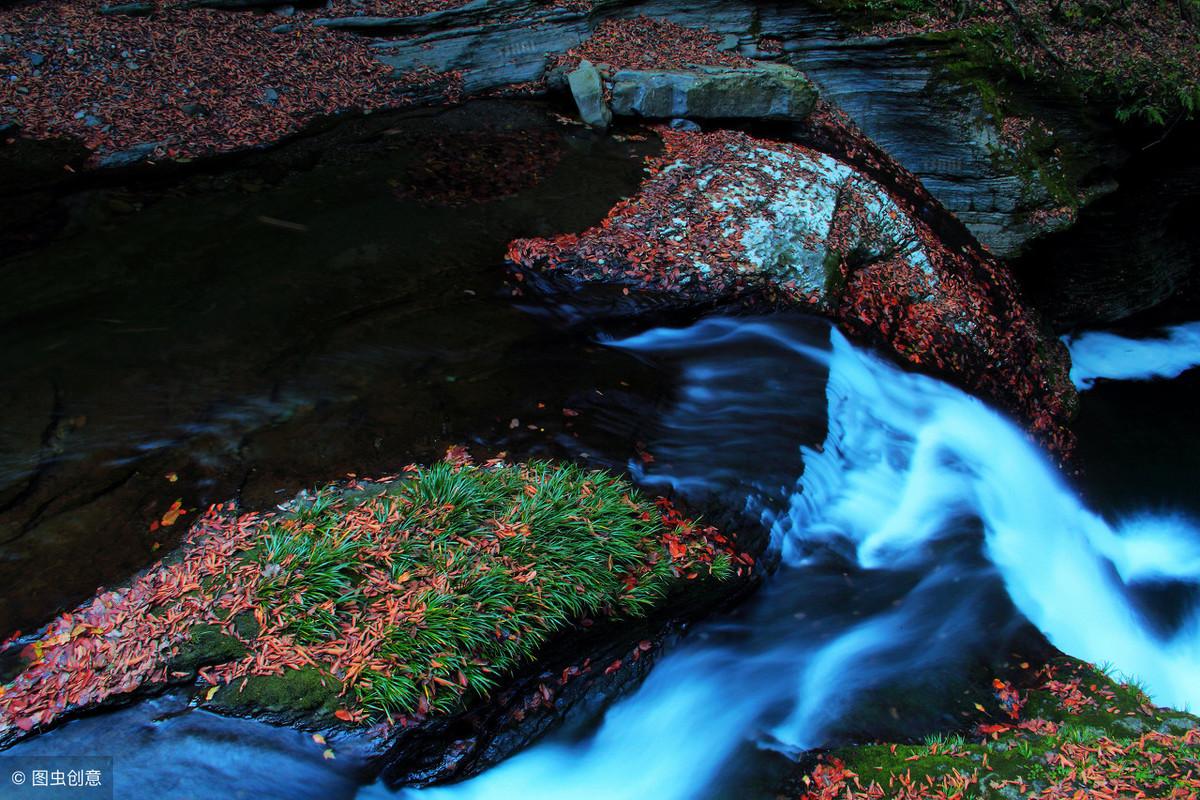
(1011, 162)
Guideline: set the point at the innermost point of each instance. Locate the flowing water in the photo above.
(935, 505)
(1100, 354)
(349, 314)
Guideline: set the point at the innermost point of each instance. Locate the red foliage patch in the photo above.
(192, 81)
(644, 43)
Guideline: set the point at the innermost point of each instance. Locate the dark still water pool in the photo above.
(335, 306)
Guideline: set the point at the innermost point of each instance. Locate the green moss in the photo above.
(1102, 714)
(835, 278)
(246, 626)
(206, 645)
(295, 691)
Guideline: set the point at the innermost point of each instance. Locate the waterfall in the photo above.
(933, 502)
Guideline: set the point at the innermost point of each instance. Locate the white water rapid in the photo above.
(1099, 354)
(921, 532)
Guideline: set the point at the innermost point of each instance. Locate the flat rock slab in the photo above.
(763, 91)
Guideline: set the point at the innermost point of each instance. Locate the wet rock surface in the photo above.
(1130, 252)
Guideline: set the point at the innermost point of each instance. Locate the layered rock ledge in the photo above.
(726, 216)
(1013, 159)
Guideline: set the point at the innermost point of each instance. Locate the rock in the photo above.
(36, 59)
(943, 117)
(1127, 252)
(284, 28)
(726, 217)
(765, 91)
(588, 92)
(139, 640)
(679, 124)
(128, 9)
(488, 45)
(131, 155)
(270, 96)
(729, 42)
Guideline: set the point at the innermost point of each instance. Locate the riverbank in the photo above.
(1073, 731)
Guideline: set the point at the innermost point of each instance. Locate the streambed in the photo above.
(901, 571)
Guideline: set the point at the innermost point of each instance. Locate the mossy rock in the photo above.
(294, 693)
(208, 645)
(1078, 730)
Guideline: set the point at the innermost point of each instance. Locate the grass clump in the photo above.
(1077, 733)
(413, 594)
(401, 597)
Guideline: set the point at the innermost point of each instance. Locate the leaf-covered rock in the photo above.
(392, 600)
(724, 215)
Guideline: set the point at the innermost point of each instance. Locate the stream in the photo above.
(938, 512)
(922, 540)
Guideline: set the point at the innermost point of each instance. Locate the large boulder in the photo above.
(588, 91)
(761, 91)
(727, 216)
